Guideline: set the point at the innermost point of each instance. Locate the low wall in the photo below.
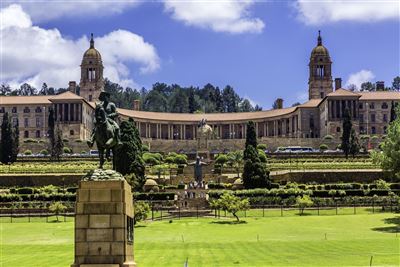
(39, 180)
(330, 176)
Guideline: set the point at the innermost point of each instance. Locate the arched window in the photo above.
(384, 105)
(37, 133)
(71, 132)
(373, 130)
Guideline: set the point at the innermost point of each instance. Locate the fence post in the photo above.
(29, 216)
(281, 210)
(161, 213)
(152, 211)
(197, 211)
(11, 215)
(263, 211)
(318, 209)
(215, 213)
(336, 208)
(354, 205)
(179, 212)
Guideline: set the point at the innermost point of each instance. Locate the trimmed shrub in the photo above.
(263, 147)
(323, 147)
(25, 191)
(44, 152)
(28, 152)
(67, 150)
(328, 137)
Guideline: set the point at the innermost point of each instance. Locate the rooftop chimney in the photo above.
(72, 87)
(279, 103)
(338, 83)
(380, 86)
(136, 104)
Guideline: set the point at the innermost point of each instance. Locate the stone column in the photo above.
(181, 132)
(104, 224)
(184, 131)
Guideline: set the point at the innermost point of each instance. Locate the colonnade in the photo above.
(282, 127)
(68, 112)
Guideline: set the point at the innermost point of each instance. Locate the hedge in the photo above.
(154, 196)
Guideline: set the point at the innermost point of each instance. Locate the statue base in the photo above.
(104, 222)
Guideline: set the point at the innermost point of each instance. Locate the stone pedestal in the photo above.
(104, 224)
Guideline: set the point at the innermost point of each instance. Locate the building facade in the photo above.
(321, 115)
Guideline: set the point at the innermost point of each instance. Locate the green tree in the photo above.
(58, 144)
(347, 126)
(129, 158)
(51, 134)
(393, 111)
(235, 159)
(251, 136)
(390, 157)
(302, 202)
(367, 86)
(155, 101)
(6, 139)
(231, 203)
(141, 211)
(221, 159)
(15, 142)
(230, 99)
(192, 101)
(57, 208)
(255, 173)
(396, 83)
(354, 143)
(245, 106)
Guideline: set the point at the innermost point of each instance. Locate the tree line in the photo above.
(160, 98)
(178, 99)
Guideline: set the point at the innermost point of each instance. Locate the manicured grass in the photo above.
(351, 240)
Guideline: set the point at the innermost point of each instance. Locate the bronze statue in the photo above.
(106, 130)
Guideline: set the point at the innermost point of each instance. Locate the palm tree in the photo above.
(235, 159)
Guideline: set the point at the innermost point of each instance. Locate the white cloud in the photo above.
(359, 77)
(320, 12)
(46, 10)
(36, 55)
(220, 16)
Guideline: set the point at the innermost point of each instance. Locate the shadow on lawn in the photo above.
(390, 229)
(229, 222)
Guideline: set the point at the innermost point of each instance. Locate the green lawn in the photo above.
(351, 240)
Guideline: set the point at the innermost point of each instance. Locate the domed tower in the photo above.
(92, 82)
(320, 80)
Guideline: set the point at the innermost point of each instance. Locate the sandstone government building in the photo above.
(304, 124)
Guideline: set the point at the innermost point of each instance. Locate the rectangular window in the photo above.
(14, 110)
(38, 122)
(361, 117)
(372, 105)
(15, 121)
(26, 122)
(2, 110)
(27, 110)
(385, 118)
(372, 117)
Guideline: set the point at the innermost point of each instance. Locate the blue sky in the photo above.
(260, 48)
